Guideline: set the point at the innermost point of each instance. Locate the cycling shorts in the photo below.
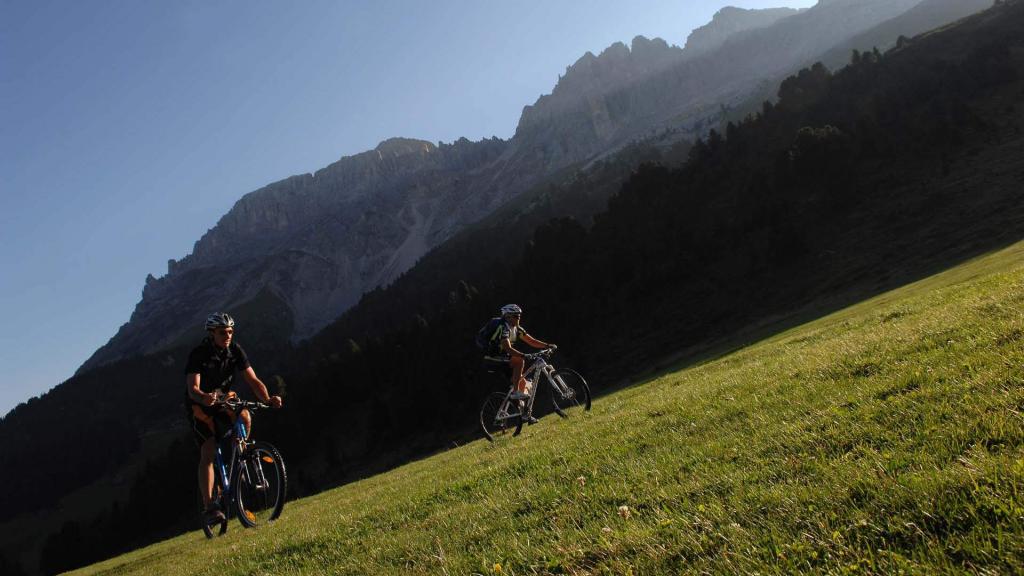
(498, 365)
(209, 422)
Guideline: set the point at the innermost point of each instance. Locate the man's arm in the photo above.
(260, 389)
(506, 346)
(533, 341)
(196, 393)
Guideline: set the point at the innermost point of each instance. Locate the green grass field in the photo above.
(884, 439)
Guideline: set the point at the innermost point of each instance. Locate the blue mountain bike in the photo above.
(249, 476)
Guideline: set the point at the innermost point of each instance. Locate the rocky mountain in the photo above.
(629, 94)
(317, 242)
(728, 22)
(770, 52)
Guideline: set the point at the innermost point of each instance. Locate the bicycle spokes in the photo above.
(500, 415)
(569, 391)
(250, 477)
(261, 485)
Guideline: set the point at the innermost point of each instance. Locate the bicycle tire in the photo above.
(494, 423)
(261, 485)
(208, 529)
(578, 398)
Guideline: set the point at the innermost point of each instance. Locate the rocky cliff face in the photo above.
(317, 242)
(636, 92)
(583, 114)
(728, 22)
(777, 49)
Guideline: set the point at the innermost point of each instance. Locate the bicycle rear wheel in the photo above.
(261, 485)
(500, 416)
(569, 391)
(213, 530)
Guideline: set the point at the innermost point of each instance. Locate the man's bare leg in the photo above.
(517, 373)
(206, 453)
(247, 420)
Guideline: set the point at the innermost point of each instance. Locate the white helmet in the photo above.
(510, 309)
(219, 320)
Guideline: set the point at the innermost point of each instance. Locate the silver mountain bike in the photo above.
(501, 415)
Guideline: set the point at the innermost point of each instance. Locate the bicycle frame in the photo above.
(539, 367)
(226, 471)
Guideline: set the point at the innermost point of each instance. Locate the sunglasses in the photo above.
(223, 331)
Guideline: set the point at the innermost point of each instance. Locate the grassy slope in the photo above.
(885, 437)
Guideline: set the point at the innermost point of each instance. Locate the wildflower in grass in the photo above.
(581, 481)
(606, 530)
(624, 512)
(497, 568)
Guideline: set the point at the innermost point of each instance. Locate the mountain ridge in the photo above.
(331, 239)
(728, 22)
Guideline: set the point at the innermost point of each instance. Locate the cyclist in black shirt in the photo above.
(209, 374)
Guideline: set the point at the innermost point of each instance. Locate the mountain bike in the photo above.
(251, 481)
(501, 415)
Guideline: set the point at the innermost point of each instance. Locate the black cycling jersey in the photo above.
(216, 366)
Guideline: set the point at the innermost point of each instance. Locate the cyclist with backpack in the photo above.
(498, 338)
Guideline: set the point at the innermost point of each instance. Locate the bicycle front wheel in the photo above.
(261, 485)
(569, 391)
(500, 416)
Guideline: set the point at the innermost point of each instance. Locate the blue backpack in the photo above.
(489, 333)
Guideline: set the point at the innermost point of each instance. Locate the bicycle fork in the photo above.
(254, 473)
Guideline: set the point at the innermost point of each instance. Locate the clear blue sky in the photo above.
(127, 128)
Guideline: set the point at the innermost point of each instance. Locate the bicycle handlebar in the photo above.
(546, 353)
(237, 403)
